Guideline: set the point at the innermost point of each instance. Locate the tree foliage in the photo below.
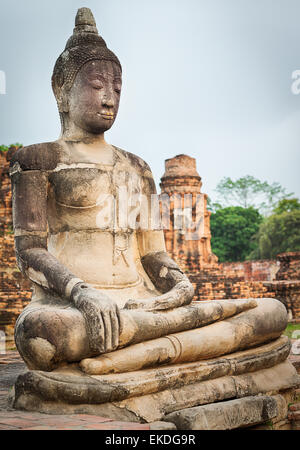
(248, 192)
(5, 148)
(287, 205)
(232, 230)
(278, 233)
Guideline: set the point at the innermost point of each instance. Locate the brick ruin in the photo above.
(191, 247)
(212, 280)
(286, 284)
(183, 202)
(15, 290)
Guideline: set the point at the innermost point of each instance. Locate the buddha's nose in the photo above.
(108, 100)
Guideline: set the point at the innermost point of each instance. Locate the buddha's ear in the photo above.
(59, 90)
(63, 102)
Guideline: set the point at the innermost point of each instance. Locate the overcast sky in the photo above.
(208, 78)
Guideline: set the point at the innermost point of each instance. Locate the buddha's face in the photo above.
(95, 95)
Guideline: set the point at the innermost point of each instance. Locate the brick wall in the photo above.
(15, 290)
(289, 266)
(286, 285)
(216, 285)
(263, 270)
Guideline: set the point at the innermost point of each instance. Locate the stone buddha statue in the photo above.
(111, 316)
(84, 261)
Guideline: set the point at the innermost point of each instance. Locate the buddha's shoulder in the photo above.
(135, 161)
(43, 156)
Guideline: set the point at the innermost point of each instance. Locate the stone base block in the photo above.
(152, 395)
(228, 415)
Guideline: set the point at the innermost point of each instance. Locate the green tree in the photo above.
(287, 205)
(211, 206)
(232, 230)
(5, 148)
(249, 191)
(278, 233)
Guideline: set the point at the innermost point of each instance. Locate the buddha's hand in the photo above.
(181, 294)
(102, 317)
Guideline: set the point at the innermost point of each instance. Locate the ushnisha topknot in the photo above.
(84, 45)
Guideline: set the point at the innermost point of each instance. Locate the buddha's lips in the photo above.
(106, 116)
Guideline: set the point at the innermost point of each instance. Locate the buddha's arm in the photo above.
(164, 273)
(101, 314)
(29, 202)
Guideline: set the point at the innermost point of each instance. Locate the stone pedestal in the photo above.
(241, 389)
(215, 374)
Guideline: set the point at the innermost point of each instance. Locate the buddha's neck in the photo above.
(72, 133)
(88, 146)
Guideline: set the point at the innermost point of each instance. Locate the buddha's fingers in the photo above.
(180, 295)
(115, 329)
(107, 331)
(96, 331)
(162, 302)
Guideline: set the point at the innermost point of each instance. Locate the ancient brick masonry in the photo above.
(217, 285)
(185, 205)
(286, 285)
(261, 270)
(212, 280)
(15, 291)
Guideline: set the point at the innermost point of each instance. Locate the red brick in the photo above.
(295, 407)
(294, 416)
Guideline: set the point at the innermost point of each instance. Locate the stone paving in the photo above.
(11, 365)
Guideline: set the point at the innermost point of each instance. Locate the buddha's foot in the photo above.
(249, 328)
(140, 325)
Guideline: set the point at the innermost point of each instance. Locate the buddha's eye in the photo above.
(97, 84)
(117, 87)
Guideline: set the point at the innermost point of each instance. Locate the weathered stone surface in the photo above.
(155, 407)
(255, 326)
(226, 415)
(29, 190)
(71, 385)
(277, 378)
(160, 425)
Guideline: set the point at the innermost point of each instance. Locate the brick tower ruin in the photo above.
(187, 232)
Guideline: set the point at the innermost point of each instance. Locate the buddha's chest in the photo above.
(85, 186)
(99, 194)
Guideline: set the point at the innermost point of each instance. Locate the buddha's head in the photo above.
(87, 79)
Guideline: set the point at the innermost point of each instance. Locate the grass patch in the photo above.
(291, 328)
